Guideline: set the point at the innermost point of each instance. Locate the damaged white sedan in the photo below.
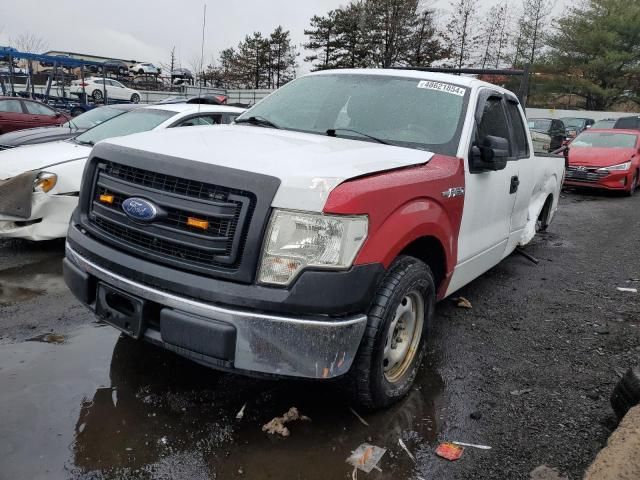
(39, 184)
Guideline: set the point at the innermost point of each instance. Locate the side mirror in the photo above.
(490, 155)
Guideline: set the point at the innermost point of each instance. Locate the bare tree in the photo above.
(29, 42)
(462, 24)
(172, 64)
(492, 33)
(532, 29)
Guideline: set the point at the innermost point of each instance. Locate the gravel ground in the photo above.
(527, 371)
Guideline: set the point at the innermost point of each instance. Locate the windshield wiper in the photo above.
(332, 133)
(90, 143)
(258, 121)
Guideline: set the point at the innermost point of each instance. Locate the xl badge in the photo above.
(139, 209)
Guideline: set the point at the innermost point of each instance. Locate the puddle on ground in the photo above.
(104, 406)
(19, 284)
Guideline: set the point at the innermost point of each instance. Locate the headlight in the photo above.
(297, 240)
(616, 168)
(45, 182)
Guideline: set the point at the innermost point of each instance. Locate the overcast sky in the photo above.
(146, 31)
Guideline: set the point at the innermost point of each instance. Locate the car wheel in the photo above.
(97, 96)
(135, 98)
(634, 185)
(392, 347)
(626, 393)
(141, 71)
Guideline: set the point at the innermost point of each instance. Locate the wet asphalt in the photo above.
(527, 371)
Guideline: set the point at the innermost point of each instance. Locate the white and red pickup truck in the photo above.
(313, 237)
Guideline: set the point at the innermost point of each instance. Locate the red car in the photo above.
(18, 113)
(606, 159)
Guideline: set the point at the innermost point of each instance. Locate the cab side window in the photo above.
(521, 145)
(494, 120)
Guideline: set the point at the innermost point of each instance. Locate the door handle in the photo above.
(515, 181)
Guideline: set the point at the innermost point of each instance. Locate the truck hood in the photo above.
(38, 135)
(309, 166)
(599, 157)
(38, 157)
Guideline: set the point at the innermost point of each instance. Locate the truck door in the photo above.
(526, 183)
(490, 196)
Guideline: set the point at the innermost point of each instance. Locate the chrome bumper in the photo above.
(265, 343)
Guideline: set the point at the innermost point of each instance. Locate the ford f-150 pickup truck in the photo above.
(314, 236)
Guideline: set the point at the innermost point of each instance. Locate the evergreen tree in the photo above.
(322, 41)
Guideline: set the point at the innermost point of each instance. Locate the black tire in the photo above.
(367, 382)
(634, 185)
(141, 71)
(135, 98)
(97, 95)
(626, 393)
(543, 220)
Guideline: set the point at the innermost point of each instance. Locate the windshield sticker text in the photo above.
(442, 87)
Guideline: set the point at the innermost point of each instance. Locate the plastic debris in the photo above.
(277, 425)
(462, 302)
(450, 451)
(240, 414)
(366, 458)
(626, 289)
(517, 393)
(473, 445)
(404, 447)
(362, 420)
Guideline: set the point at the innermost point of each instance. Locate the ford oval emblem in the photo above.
(139, 209)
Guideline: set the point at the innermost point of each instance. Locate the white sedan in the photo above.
(95, 87)
(39, 184)
(145, 68)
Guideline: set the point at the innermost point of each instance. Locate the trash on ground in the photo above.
(450, 451)
(473, 445)
(517, 393)
(546, 473)
(362, 420)
(527, 255)
(404, 447)
(277, 425)
(240, 414)
(462, 302)
(366, 458)
(625, 289)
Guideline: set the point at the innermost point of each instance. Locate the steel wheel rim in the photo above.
(403, 336)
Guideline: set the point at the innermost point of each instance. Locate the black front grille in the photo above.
(584, 174)
(169, 238)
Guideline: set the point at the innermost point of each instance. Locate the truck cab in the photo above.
(314, 236)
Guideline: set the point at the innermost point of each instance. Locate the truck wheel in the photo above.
(626, 393)
(393, 343)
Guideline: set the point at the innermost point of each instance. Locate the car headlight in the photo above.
(616, 168)
(299, 240)
(45, 182)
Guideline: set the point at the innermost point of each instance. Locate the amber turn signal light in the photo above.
(105, 198)
(198, 223)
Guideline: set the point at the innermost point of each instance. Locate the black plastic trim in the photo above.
(332, 293)
(264, 188)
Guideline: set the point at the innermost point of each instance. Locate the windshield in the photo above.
(93, 117)
(605, 140)
(573, 122)
(539, 124)
(405, 112)
(141, 120)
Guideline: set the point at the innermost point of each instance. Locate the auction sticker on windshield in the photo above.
(442, 87)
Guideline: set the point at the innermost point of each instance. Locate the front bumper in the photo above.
(292, 345)
(613, 181)
(50, 215)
